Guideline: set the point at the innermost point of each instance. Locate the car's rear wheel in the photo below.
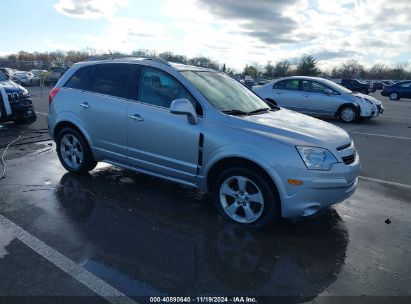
(245, 197)
(364, 91)
(348, 113)
(394, 96)
(74, 152)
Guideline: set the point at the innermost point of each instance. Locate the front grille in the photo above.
(13, 97)
(348, 160)
(346, 146)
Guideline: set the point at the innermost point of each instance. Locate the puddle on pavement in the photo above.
(154, 237)
(146, 236)
(5, 240)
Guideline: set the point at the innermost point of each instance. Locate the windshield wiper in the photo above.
(261, 110)
(235, 112)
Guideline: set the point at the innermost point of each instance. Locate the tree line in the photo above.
(305, 66)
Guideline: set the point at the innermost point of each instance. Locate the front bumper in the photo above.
(23, 112)
(319, 190)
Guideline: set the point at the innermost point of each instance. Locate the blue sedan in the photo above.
(397, 90)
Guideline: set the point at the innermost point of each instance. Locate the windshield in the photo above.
(336, 86)
(224, 93)
(2, 77)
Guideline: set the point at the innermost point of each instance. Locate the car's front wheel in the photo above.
(74, 152)
(246, 197)
(394, 96)
(348, 113)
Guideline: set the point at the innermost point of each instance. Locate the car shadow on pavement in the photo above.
(152, 237)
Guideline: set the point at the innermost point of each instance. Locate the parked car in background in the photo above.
(201, 128)
(356, 85)
(370, 85)
(397, 90)
(54, 74)
(38, 73)
(322, 97)
(9, 73)
(387, 82)
(27, 78)
(15, 102)
(378, 85)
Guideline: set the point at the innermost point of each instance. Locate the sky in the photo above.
(234, 32)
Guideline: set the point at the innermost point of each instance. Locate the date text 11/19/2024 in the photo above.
(203, 300)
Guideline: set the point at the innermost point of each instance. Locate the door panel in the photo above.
(315, 101)
(287, 94)
(104, 118)
(161, 142)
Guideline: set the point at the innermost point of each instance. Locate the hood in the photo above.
(12, 87)
(294, 128)
(368, 98)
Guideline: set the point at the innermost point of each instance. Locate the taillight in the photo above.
(52, 94)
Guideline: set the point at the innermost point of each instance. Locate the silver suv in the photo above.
(201, 128)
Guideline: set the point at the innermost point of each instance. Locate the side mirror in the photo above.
(328, 92)
(271, 102)
(184, 107)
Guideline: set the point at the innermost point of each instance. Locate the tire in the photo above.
(46, 83)
(74, 152)
(348, 114)
(394, 96)
(365, 91)
(234, 191)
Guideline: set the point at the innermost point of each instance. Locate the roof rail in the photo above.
(112, 57)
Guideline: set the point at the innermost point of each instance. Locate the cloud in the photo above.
(89, 9)
(265, 20)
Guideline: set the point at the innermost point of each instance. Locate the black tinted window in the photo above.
(110, 79)
(79, 78)
(159, 88)
(292, 85)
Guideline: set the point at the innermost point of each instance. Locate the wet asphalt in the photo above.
(148, 237)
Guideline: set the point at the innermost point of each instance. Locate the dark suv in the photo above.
(356, 85)
(15, 102)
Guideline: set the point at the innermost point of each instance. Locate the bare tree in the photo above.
(282, 68)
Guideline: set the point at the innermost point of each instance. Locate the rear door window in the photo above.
(110, 79)
(79, 78)
(291, 85)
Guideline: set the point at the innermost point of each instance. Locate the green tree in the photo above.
(251, 70)
(308, 66)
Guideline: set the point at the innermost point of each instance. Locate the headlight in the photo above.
(316, 158)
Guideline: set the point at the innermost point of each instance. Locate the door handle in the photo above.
(85, 105)
(136, 117)
(306, 95)
(279, 93)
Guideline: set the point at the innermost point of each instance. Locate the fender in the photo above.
(251, 153)
(73, 119)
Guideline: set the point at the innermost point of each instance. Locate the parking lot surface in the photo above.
(118, 236)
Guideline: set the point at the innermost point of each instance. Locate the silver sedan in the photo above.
(320, 97)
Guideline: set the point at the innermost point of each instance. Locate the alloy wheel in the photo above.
(71, 151)
(241, 199)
